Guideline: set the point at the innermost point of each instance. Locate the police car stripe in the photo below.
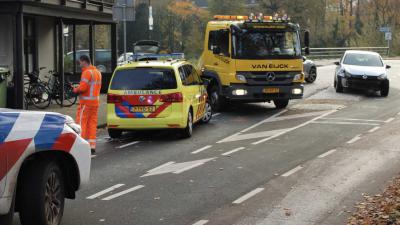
(25, 127)
(7, 121)
(13, 150)
(50, 130)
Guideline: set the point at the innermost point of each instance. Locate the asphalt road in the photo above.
(213, 178)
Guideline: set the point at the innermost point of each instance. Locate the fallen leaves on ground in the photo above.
(381, 209)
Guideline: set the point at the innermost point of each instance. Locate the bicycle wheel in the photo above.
(39, 96)
(70, 97)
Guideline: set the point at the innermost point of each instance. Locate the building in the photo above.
(46, 33)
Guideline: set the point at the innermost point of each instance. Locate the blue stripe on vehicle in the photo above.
(51, 128)
(7, 121)
(120, 113)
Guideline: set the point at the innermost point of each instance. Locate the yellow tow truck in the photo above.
(253, 59)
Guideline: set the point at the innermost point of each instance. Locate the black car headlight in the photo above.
(382, 77)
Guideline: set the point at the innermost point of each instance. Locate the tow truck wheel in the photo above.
(42, 194)
(188, 130)
(385, 88)
(113, 133)
(216, 101)
(281, 104)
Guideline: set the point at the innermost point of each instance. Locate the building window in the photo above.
(30, 45)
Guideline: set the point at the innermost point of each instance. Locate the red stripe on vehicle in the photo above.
(10, 152)
(134, 99)
(160, 109)
(65, 142)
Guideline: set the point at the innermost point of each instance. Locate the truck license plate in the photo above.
(271, 90)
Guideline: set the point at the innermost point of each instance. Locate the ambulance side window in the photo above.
(182, 74)
(191, 75)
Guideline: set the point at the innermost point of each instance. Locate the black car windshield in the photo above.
(360, 59)
(260, 45)
(144, 79)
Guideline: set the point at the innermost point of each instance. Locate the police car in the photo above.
(156, 95)
(43, 160)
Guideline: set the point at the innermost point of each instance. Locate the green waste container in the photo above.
(4, 72)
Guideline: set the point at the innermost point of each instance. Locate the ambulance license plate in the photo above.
(143, 109)
(271, 90)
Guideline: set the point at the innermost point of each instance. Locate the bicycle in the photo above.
(53, 86)
(35, 91)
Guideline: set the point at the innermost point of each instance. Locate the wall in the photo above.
(6, 42)
(45, 36)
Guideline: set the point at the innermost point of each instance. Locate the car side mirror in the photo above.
(216, 50)
(388, 67)
(337, 63)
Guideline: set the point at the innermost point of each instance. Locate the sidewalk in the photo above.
(71, 111)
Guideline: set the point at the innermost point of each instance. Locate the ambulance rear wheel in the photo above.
(281, 104)
(188, 130)
(113, 133)
(42, 194)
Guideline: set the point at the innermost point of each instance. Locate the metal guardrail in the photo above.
(325, 53)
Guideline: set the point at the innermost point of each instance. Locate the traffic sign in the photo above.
(385, 29)
(124, 10)
(388, 36)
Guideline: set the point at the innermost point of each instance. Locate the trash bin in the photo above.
(4, 72)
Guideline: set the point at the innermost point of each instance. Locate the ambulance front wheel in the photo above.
(113, 133)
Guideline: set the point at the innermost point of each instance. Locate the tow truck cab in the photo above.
(253, 59)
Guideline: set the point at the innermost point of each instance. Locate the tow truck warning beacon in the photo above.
(253, 59)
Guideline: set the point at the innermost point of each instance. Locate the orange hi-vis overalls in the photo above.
(89, 97)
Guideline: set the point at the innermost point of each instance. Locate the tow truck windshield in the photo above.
(267, 44)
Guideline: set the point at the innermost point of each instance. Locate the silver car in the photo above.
(310, 70)
(362, 70)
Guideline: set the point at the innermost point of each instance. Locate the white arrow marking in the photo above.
(176, 168)
(262, 134)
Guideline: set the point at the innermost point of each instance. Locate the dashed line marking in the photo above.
(233, 151)
(354, 140)
(201, 222)
(105, 191)
(116, 195)
(349, 119)
(248, 195)
(93, 156)
(374, 129)
(389, 120)
(201, 149)
(294, 128)
(327, 153)
(216, 114)
(292, 171)
(345, 123)
(127, 145)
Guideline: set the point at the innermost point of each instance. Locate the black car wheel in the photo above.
(42, 194)
(188, 130)
(216, 101)
(281, 104)
(312, 75)
(385, 88)
(338, 85)
(207, 114)
(113, 133)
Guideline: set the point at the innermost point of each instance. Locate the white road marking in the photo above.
(248, 195)
(127, 145)
(240, 137)
(345, 123)
(176, 168)
(201, 149)
(216, 114)
(294, 128)
(105, 191)
(292, 171)
(93, 156)
(116, 195)
(233, 151)
(201, 222)
(374, 129)
(389, 120)
(327, 153)
(350, 119)
(354, 140)
(296, 116)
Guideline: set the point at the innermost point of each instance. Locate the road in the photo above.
(252, 164)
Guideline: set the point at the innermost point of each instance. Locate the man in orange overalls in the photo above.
(89, 96)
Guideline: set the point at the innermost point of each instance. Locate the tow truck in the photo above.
(253, 59)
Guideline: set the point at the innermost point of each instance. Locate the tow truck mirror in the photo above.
(307, 42)
(337, 63)
(216, 50)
